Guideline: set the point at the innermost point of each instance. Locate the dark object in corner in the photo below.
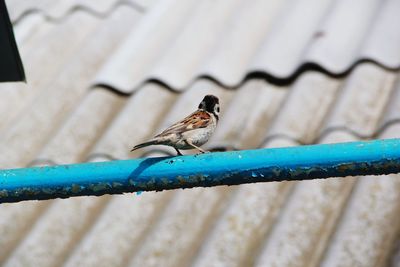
(11, 68)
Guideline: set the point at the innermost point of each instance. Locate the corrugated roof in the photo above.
(61, 116)
(230, 40)
(56, 10)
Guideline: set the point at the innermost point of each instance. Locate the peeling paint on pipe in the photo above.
(224, 168)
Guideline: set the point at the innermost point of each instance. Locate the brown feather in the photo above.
(196, 120)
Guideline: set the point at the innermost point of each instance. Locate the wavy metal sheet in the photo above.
(60, 9)
(229, 40)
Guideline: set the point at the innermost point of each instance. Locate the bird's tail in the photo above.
(148, 143)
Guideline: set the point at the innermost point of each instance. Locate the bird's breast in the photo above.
(200, 136)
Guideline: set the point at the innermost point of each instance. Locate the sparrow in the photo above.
(191, 132)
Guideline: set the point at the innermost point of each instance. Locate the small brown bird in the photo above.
(191, 132)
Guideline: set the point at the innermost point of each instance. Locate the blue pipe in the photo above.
(211, 169)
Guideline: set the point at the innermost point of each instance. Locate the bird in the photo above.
(191, 132)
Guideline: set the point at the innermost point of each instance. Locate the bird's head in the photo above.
(210, 103)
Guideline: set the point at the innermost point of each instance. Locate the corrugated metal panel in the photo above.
(261, 101)
(355, 111)
(73, 142)
(73, 217)
(306, 108)
(59, 9)
(59, 118)
(177, 235)
(392, 114)
(277, 38)
(307, 221)
(240, 232)
(18, 142)
(369, 226)
(310, 218)
(15, 223)
(119, 230)
(46, 55)
(144, 109)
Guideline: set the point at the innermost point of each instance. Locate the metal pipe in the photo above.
(211, 169)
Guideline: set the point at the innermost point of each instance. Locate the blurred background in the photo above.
(105, 75)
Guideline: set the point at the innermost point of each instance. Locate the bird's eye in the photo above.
(217, 109)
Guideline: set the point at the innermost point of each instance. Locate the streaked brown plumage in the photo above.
(191, 132)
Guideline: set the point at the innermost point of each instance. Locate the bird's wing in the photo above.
(196, 120)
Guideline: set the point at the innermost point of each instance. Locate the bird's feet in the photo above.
(178, 152)
(201, 151)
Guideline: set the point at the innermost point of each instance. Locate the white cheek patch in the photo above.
(216, 109)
